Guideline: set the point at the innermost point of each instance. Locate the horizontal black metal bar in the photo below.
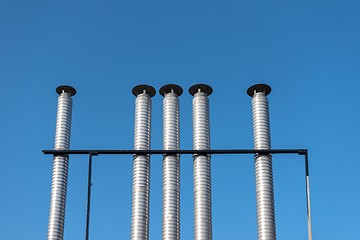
(164, 152)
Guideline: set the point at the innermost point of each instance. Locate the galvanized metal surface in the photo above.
(171, 169)
(141, 169)
(263, 169)
(171, 174)
(60, 168)
(202, 168)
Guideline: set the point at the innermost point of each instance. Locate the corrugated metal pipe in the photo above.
(141, 163)
(60, 164)
(201, 163)
(171, 163)
(263, 163)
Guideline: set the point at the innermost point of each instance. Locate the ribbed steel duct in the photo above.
(60, 164)
(263, 163)
(171, 163)
(201, 163)
(141, 163)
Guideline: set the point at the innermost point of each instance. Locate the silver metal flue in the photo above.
(201, 163)
(60, 164)
(141, 163)
(263, 163)
(171, 163)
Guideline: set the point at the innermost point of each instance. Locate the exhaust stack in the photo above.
(60, 164)
(171, 163)
(201, 163)
(263, 163)
(141, 163)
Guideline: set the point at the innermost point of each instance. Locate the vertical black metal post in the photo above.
(308, 195)
(88, 197)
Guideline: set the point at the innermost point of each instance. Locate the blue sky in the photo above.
(307, 51)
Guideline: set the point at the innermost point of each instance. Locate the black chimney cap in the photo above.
(259, 88)
(139, 89)
(203, 87)
(167, 89)
(67, 89)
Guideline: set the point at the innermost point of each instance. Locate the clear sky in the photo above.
(307, 51)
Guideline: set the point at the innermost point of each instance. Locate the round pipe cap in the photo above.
(203, 88)
(167, 89)
(67, 89)
(139, 89)
(259, 88)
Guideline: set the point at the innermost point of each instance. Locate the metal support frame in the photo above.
(88, 197)
(165, 152)
(91, 153)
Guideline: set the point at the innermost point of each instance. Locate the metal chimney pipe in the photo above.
(141, 163)
(201, 163)
(60, 164)
(171, 163)
(263, 163)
